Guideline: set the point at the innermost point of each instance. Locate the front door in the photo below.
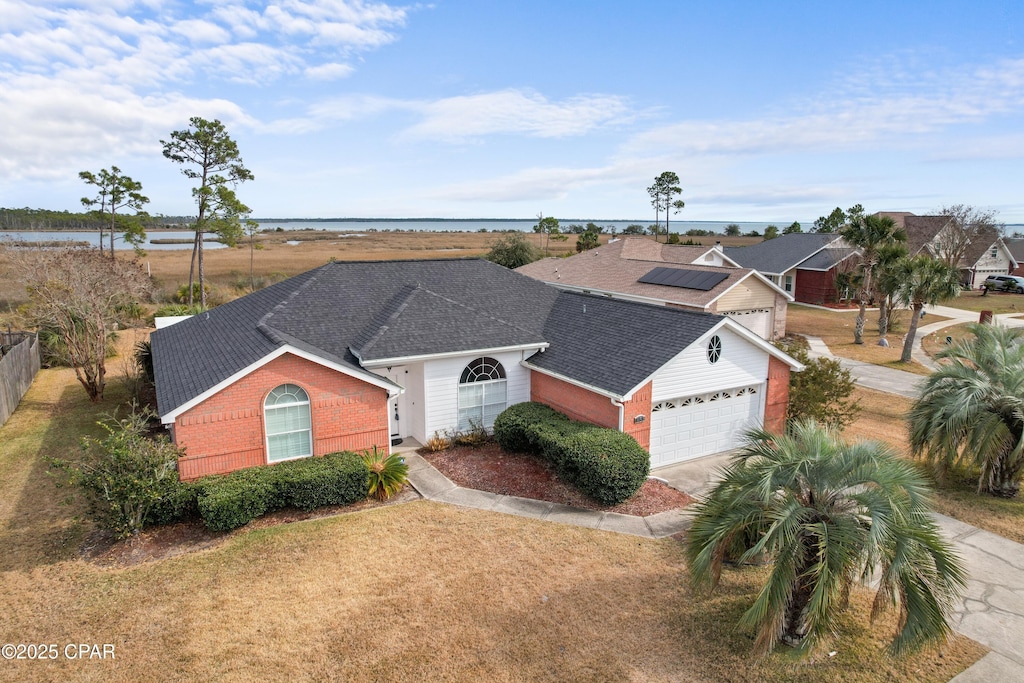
(399, 418)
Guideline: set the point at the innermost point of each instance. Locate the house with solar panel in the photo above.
(679, 276)
(356, 355)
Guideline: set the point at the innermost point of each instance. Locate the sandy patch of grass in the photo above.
(836, 329)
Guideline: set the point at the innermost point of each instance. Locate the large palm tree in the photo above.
(918, 281)
(869, 233)
(829, 514)
(971, 409)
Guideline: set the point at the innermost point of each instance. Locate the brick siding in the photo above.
(586, 406)
(777, 396)
(225, 432)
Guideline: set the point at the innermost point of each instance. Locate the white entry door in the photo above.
(693, 426)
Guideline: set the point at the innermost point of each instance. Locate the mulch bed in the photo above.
(489, 468)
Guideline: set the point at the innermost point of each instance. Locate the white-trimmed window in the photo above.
(286, 415)
(483, 393)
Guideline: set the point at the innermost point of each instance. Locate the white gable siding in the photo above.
(690, 373)
(441, 388)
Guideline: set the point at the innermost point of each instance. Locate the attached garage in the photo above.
(694, 426)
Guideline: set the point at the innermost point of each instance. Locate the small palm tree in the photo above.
(971, 409)
(918, 281)
(829, 514)
(869, 233)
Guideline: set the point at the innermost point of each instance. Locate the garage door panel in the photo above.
(691, 427)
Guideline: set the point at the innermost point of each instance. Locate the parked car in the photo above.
(1004, 283)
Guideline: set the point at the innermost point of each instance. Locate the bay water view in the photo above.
(173, 239)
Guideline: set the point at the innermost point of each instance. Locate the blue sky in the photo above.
(767, 111)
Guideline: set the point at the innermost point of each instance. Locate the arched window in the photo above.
(286, 414)
(482, 394)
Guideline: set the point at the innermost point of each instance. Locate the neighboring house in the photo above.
(697, 278)
(804, 265)
(362, 354)
(1016, 247)
(989, 255)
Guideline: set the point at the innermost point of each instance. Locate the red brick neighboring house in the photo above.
(1015, 245)
(355, 355)
(804, 265)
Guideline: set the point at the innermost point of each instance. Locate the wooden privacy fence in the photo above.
(19, 363)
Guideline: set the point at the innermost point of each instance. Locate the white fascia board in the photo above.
(626, 297)
(403, 360)
(741, 331)
(721, 253)
(757, 276)
(368, 377)
(575, 382)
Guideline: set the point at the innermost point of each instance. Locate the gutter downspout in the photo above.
(622, 410)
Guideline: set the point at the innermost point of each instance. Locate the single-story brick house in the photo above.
(804, 265)
(361, 354)
(681, 276)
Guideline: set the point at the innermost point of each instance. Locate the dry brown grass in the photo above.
(836, 329)
(882, 419)
(997, 302)
(417, 591)
(936, 341)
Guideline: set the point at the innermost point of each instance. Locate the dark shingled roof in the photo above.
(778, 255)
(594, 339)
(353, 312)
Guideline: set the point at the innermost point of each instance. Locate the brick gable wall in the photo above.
(225, 432)
(586, 406)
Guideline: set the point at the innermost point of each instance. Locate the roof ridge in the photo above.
(263, 324)
(399, 302)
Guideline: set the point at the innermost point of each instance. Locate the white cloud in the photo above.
(455, 119)
(329, 72)
(894, 111)
(84, 76)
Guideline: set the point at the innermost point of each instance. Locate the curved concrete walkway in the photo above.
(992, 612)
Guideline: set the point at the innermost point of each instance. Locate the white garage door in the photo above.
(758, 321)
(693, 426)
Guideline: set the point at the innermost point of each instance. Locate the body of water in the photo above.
(93, 238)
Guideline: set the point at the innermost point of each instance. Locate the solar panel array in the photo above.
(702, 280)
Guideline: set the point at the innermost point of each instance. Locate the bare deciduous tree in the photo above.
(81, 296)
(966, 225)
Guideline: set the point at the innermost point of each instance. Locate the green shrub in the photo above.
(606, 464)
(334, 479)
(512, 426)
(232, 500)
(177, 501)
(387, 473)
(181, 295)
(128, 479)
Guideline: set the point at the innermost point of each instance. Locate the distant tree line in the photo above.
(47, 219)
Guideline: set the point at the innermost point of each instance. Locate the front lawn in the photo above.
(997, 302)
(936, 341)
(415, 591)
(836, 330)
(881, 418)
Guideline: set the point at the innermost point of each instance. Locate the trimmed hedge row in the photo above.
(229, 501)
(606, 464)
